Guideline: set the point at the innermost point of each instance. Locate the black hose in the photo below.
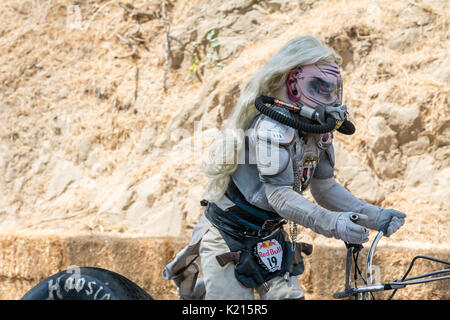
(347, 128)
(330, 125)
(307, 127)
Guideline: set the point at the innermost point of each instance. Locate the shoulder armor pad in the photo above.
(271, 159)
(271, 130)
(272, 138)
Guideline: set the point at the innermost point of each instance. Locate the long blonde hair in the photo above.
(222, 161)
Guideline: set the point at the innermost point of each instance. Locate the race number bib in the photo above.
(270, 254)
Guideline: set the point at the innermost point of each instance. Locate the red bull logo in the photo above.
(270, 254)
(266, 244)
(268, 248)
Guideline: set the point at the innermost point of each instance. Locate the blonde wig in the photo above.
(223, 157)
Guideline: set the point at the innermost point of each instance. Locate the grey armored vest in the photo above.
(272, 151)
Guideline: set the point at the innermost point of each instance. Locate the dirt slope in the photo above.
(92, 145)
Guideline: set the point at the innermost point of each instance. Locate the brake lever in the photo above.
(385, 226)
(348, 291)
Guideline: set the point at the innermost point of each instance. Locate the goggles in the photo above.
(319, 84)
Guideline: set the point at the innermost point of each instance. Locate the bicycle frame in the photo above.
(355, 292)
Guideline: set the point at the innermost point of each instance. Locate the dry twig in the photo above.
(136, 84)
(128, 42)
(137, 14)
(166, 43)
(130, 35)
(426, 9)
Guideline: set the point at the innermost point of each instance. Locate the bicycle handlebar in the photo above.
(349, 292)
(389, 286)
(370, 256)
(353, 291)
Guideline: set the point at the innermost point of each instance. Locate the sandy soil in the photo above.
(91, 145)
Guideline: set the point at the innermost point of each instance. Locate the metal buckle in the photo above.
(270, 225)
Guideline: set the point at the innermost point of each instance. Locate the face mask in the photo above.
(315, 85)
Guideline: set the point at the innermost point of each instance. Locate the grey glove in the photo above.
(349, 231)
(389, 221)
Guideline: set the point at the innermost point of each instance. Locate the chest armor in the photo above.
(305, 154)
(292, 149)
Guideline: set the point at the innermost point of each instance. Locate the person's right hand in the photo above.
(349, 231)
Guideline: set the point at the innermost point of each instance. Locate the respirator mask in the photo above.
(316, 93)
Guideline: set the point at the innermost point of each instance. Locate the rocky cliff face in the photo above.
(92, 145)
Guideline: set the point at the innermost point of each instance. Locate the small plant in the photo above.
(195, 63)
(212, 54)
(211, 58)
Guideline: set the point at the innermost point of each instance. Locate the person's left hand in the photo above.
(392, 218)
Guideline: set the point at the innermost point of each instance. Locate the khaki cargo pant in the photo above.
(221, 283)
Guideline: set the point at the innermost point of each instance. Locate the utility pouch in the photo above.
(262, 256)
(262, 259)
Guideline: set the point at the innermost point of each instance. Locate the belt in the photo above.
(267, 226)
(235, 224)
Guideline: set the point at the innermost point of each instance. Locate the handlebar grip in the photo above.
(342, 295)
(354, 217)
(385, 226)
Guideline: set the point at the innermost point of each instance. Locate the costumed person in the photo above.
(280, 142)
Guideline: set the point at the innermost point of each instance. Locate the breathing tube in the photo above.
(327, 122)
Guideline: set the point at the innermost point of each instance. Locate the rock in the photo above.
(181, 37)
(235, 6)
(18, 184)
(82, 146)
(5, 213)
(150, 189)
(62, 93)
(114, 197)
(147, 139)
(163, 220)
(355, 176)
(442, 156)
(229, 45)
(443, 136)
(404, 120)
(37, 167)
(192, 206)
(384, 137)
(404, 39)
(420, 171)
(93, 157)
(442, 74)
(343, 46)
(5, 157)
(389, 165)
(64, 173)
(416, 147)
(440, 192)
